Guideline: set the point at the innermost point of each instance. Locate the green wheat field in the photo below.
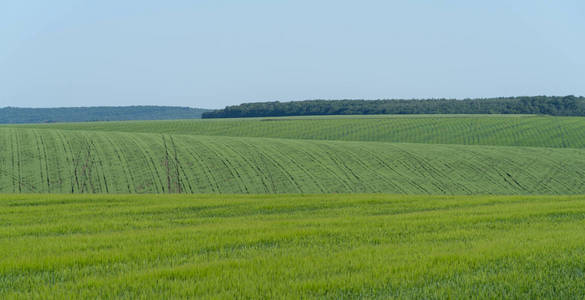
(292, 246)
(375, 154)
(423, 207)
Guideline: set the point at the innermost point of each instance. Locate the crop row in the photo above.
(533, 131)
(61, 161)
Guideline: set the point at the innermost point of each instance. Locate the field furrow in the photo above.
(111, 162)
(497, 130)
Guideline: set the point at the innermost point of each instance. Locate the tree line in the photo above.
(13, 115)
(546, 105)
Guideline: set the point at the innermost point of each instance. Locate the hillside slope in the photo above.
(61, 161)
(532, 131)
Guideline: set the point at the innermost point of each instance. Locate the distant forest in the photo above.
(556, 106)
(13, 115)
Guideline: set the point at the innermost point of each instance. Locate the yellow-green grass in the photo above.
(291, 246)
(68, 161)
(502, 130)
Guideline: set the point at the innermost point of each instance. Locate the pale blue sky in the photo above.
(216, 53)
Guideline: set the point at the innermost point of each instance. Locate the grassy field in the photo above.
(75, 161)
(444, 154)
(267, 246)
(317, 243)
(495, 130)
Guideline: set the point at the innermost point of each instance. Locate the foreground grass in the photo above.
(267, 246)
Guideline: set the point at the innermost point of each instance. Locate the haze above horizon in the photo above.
(210, 54)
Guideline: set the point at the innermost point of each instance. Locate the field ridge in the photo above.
(526, 131)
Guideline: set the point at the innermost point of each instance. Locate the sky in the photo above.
(210, 54)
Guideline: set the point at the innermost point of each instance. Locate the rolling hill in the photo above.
(316, 243)
(174, 156)
(494, 130)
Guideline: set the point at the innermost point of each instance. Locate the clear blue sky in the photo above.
(214, 53)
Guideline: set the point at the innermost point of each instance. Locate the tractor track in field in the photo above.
(68, 153)
(301, 167)
(234, 171)
(87, 168)
(180, 169)
(101, 166)
(155, 175)
(386, 166)
(213, 183)
(130, 181)
(173, 167)
(42, 158)
(17, 162)
(278, 165)
(319, 162)
(47, 168)
(36, 160)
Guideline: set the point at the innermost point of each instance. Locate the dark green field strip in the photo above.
(291, 246)
(533, 131)
(55, 161)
